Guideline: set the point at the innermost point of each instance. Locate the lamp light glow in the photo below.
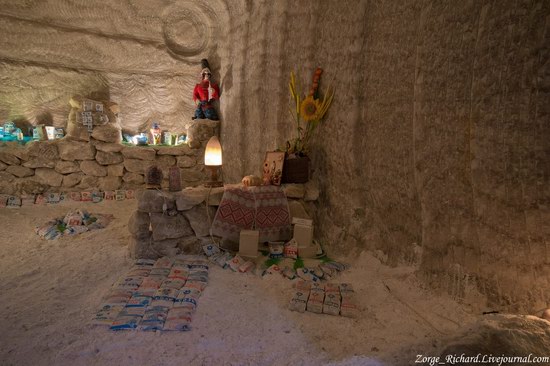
(213, 161)
(213, 152)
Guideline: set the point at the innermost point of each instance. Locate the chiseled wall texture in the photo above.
(436, 148)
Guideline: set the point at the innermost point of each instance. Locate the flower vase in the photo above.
(296, 169)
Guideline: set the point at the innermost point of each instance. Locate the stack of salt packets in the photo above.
(226, 260)
(299, 300)
(156, 295)
(329, 299)
(121, 293)
(348, 306)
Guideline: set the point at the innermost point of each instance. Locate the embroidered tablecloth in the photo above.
(262, 208)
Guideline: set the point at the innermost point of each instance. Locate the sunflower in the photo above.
(309, 109)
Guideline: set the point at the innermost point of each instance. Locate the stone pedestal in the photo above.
(168, 223)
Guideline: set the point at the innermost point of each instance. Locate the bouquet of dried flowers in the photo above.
(307, 112)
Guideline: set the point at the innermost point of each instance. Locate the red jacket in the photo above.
(201, 92)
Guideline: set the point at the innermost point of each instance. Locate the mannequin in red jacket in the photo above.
(205, 93)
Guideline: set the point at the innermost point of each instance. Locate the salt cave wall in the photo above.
(436, 148)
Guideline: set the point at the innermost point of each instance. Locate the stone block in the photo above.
(72, 179)
(48, 176)
(43, 149)
(20, 171)
(108, 158)
(193, 175)
(7, 187)
(175, 150)
(67, 167)
(89, 182)
(21, 152)
(109, 183)
(201, 130)
(165, 161)
(170, 227)
(91, 167)
(312, 191)
(151, 200)
(136, 165)
(297, 209)
(75, 150)
(40, 162)
(107, 147)
(294, 190)
(141, 153)
(133, 178)
(141, 247)
(190, 197)
(139, 223)
(3, 166)
(9, 158)
(110, 132)
(191, 245)
(6, 177)
(167, 247)
(30, 186)
(116, 170)
(186, 161)
(200, 218)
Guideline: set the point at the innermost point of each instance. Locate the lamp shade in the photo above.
(213, 152)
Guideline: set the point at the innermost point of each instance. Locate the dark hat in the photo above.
(205, 67)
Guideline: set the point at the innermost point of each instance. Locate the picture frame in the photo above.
(273, 167)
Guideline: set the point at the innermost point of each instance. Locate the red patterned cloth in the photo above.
(263, 208)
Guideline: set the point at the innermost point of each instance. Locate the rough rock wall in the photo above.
(438, 134)
(144, 55)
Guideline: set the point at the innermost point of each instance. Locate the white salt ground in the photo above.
(50, 291)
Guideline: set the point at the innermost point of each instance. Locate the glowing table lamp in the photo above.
(213, 161)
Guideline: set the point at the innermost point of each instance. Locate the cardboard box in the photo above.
(303, 222)
(303, 235)
(248, 243)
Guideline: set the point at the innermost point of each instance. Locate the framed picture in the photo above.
(273, 167)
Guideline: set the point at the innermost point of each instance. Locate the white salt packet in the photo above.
(163, 262)
(178, 319)
(299, 301)
(172, 283)
(235, 263)
(246, 267)
(331, 304)
(290, 249)
(315, 300)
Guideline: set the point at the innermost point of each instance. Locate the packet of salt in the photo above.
(331, 304)
(235, 263)
(178, 319)
(291, 249)
(272, 270)
(289, 273)
(210, 249)
(303, 286)
(75, 196)
(107, 314)
(126, 322)
(175, 284)
(315, 300)
(306, 275)
(179, 272)
(166, 294)
(299, 301)
(164, 262)
(246, 267)
(139, 301)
